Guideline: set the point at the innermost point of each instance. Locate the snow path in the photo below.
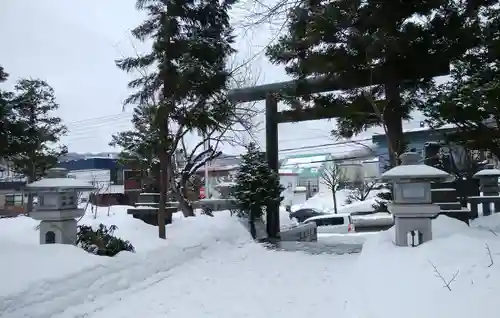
(208, 280)
(249, 281)
(111, 281)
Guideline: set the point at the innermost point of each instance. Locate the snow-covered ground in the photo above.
(323, 201)
(208, 267)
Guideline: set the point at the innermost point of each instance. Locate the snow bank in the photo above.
(28, 262)
(285, 221)
(323, 201)
(397, 282)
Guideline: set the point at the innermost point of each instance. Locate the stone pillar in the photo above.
(488, 184)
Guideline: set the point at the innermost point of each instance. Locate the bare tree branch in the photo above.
(362, 191)
(447, 282)
(489, 254)
(333, 177)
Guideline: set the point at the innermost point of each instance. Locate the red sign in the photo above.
(132, 179)
(202, 193)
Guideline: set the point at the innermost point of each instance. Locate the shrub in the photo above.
(101, 240)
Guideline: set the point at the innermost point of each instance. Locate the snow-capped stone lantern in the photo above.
(488, 185)
(57, 206)
(412, 206)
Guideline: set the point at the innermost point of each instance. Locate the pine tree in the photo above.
(383, 41)
(32, 104)
(471, 100)
(5, 117)
(10, 132)
(257, 185)
(191, 44)
(139, 146)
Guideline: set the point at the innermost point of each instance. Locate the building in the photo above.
(416, 138)
(305, 171)
(220, 170)
(100, 170)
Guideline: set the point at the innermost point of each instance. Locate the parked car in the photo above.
(303, 214)
(333, 223)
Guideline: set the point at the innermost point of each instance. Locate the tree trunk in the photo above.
(184, 205)
(251, 218)
(334, 202)
(393, 121)
(163, 196)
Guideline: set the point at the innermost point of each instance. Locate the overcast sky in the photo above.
(73, 44)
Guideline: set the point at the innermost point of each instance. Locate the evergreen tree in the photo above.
(471, 100)
(5, 118)
(10, 132)
(191, 44)
(257, 185)
(33, 104)
(139, 146)
(376, 42)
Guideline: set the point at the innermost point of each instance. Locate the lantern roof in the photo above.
(417, 172)
(487, 173)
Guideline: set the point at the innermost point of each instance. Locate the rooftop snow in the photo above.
(61, 183)
(417, 171)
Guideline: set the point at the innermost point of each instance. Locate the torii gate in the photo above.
(431, 67)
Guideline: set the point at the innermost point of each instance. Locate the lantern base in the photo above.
(58, 232)
(404, 226)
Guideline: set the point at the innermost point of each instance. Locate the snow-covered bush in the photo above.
(101, 240)
(383, 198)
(362, 191)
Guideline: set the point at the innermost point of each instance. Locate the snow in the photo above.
(411, 283)
(195, 273)
(323, 201)
(209, 267)
(415, 171)
(488, 173)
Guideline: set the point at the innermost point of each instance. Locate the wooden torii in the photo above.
(431, 66)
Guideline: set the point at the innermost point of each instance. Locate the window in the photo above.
(330, 221)
(310, 184)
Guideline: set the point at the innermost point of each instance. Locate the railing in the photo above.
(489, 203)
(302, 233)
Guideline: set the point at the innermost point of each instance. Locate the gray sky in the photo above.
(73, 44)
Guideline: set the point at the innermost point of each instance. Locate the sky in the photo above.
(73, 45)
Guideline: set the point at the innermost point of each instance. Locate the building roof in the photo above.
(223, 163)
(305, 165)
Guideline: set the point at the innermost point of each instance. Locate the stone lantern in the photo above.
(57, 206)
(488, 185)
(412, 206)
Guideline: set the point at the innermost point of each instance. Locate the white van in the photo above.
(333, 223)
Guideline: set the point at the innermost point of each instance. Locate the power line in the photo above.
(327, 145)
